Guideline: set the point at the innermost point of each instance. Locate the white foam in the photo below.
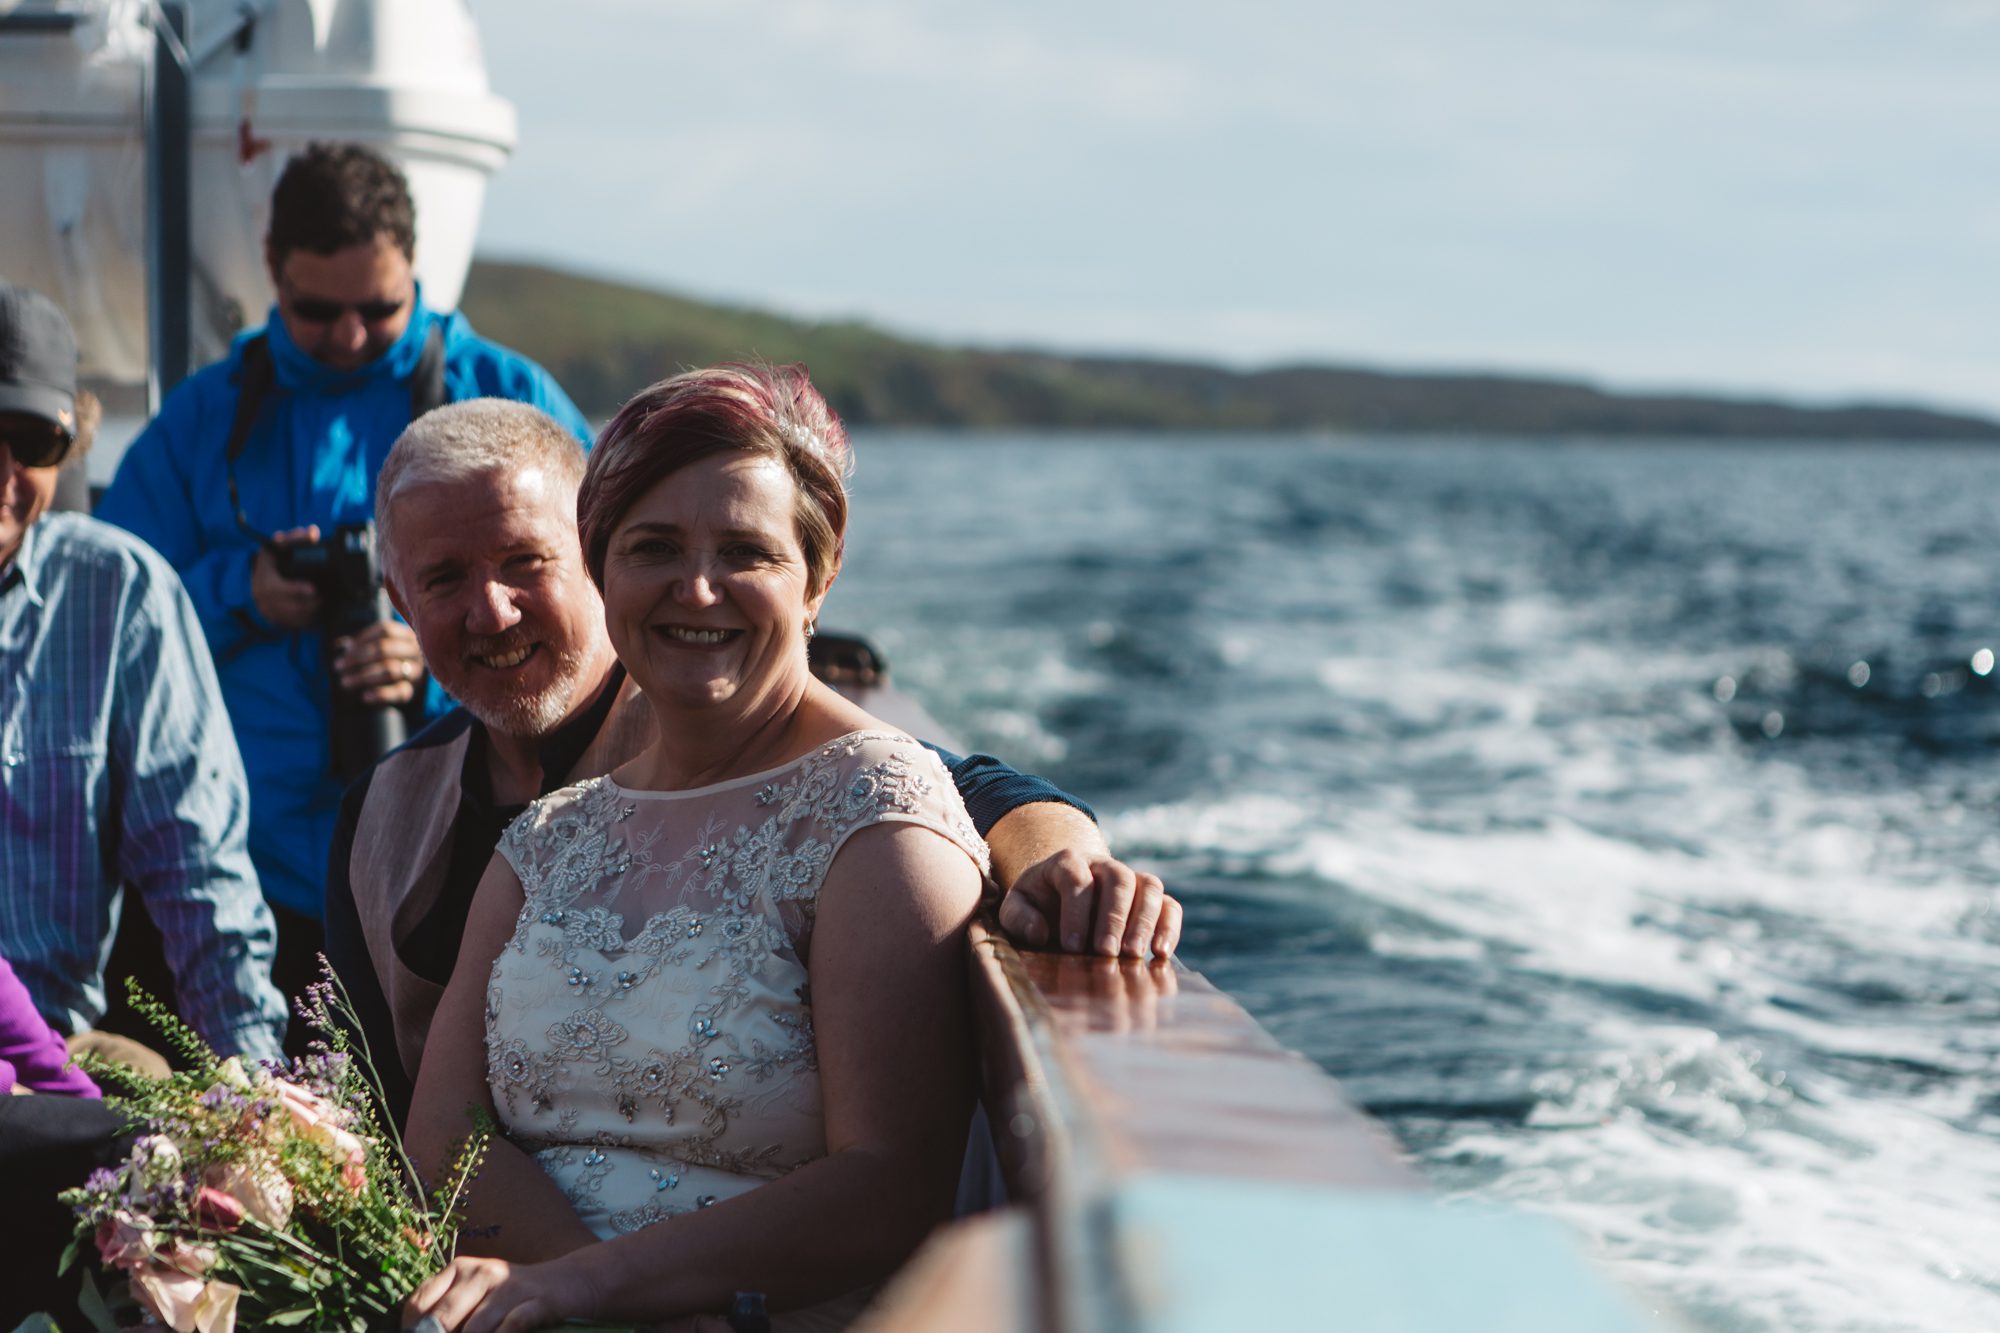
(1692, 1174)
(1765, 981)
(1387, 945)
(1693, 1163)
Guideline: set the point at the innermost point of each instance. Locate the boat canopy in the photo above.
(407, 77)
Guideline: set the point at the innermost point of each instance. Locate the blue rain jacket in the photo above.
(319, 441)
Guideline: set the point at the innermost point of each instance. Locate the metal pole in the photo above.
(168, 152)
(40, 23)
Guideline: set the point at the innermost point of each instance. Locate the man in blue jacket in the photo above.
(279, 444)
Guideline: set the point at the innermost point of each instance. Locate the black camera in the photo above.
(346, 570)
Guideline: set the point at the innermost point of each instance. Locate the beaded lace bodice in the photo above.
(661, 1070)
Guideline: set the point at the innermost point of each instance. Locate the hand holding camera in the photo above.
(287, 601)
(300, 581)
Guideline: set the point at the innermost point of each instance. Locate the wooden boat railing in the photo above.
(1169, 1165)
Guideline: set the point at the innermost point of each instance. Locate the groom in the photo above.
(476, 507)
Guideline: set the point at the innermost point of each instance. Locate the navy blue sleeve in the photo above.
(992, 790)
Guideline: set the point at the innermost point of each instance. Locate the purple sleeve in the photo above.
(31, 1054)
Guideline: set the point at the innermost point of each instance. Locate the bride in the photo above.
(714, 1000)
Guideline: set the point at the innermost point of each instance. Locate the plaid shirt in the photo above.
(118, 767)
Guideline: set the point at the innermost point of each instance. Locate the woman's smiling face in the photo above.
(705, 585)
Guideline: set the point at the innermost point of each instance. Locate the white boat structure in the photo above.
(80, 101)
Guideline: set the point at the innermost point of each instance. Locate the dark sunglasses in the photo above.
(313, 310)
(35, 446)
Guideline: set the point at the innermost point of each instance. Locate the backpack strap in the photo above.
(427, 382)
(253, 386)
(254, 380)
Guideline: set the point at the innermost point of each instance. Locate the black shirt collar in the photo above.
(558, 752)
(561, 748)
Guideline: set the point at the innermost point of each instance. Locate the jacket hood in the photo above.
(297, 370)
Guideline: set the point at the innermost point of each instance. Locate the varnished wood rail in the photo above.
(1171, 1167)
(1093, 1070)
(1149, 1067)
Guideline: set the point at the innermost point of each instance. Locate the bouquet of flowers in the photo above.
(273, 1196)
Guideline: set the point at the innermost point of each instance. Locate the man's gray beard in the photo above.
(537, 714)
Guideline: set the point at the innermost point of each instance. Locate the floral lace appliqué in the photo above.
(656, 1071)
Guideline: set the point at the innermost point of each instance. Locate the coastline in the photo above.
(599, 337)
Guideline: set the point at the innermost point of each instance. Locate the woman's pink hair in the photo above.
(740, 407)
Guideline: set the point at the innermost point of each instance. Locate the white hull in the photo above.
(405, 76)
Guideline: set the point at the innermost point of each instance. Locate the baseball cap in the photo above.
(37, 358)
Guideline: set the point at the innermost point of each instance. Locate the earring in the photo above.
(809, 630)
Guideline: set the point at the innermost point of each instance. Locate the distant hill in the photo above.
(605, 340)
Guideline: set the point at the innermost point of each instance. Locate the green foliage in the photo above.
(185, 1042)
(448, 1200)
(289, 1186)
(604, 341)
(101, 1310)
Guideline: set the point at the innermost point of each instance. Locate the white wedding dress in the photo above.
(649, 1033)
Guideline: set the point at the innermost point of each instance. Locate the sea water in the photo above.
(1619, 821)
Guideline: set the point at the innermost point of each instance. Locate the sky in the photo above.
(1798, 198)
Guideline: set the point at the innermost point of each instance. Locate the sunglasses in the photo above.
(35, 446)
(313, 310)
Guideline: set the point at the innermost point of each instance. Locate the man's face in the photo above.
(489, 574)
(25, 492)
(347, 308)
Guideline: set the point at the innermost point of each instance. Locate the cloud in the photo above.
(1703, 183)
(1055, 67)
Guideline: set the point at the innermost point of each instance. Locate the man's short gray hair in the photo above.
(476, 438)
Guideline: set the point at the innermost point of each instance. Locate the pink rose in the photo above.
(346, 1149)
(124, 1240)
(308, 1109)
(185, 1303)
(265, 1195)
(169, 1293)
(155, 1159)
(171, 1285)
(216, 1210)
(194, 1260)
(339, 1142)
(215, 1312)
(323, 1123)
